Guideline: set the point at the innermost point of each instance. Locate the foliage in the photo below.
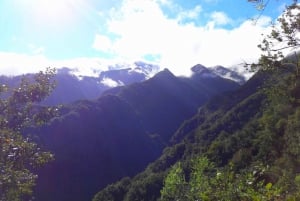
(18, 153)
(210, 183)
(146, 190)
(114, 192)
(283, 37)
(174, 184)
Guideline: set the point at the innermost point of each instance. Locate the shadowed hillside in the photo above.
(99, 142)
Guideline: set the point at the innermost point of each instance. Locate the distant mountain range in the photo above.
(72, 87)
(97, 142)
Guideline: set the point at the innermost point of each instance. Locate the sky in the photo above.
(89, 35)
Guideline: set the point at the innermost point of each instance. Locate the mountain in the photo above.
(123, 74)
(71, 87)
(249, 136)
(229, 74)
(139, 67)
(97, 142)
(219, 71)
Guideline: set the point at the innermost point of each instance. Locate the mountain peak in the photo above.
(202, 71)
(199, 68)
(165, 73)
(218, 71)
(64, 70)
(228, 74)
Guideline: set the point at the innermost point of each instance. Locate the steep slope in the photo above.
(206, 133)
(99, 142)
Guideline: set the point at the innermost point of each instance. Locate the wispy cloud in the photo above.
(211, 1)
(190, 14)
(36, 50)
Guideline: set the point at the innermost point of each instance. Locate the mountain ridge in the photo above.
(220, 71)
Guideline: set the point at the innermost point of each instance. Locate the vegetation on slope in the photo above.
(258, 162)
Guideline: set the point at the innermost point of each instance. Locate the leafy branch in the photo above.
(19, 154)
(283, 39)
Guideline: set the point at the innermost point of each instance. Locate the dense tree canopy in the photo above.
(19, 154)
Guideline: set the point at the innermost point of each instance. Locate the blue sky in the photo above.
(88, 35)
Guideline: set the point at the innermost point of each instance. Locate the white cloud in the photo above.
(102, 43)
(220, 18)
(111, 83)
(143, 29)
(17, 64)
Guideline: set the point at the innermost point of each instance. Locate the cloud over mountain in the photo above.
(158, 31)
(142, 28)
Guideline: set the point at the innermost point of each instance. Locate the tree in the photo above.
(284, 38)
(260, 5)
(19, 154)
(199, 186)
(207, 182)
(174, 185)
